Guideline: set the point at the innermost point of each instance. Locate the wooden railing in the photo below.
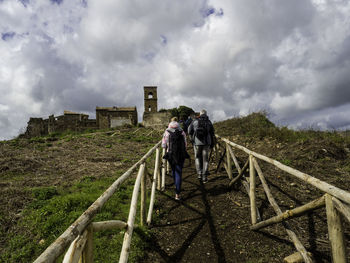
(335, 199)
(78, 238)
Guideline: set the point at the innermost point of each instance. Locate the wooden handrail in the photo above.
(62, 242)
(325, 187)
(334, 207)
(131, 219)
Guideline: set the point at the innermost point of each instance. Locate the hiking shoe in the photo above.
(177, 198)
(205, 179)
(199, 176)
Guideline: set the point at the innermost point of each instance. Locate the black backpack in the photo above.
(202, 130)
(177, 149)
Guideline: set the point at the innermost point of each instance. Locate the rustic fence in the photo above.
(334, 199)
(78, 238)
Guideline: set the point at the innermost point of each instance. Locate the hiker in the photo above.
(201, 132)
(174, 141)
(188, 122)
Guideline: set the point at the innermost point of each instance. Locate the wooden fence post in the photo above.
(335, 232)
(167, 167)
(298, 245)
(143, 197)
(88, 255)
(131, 219)
(163, 170)
(153, 191)
(252, 176)
(228, 160)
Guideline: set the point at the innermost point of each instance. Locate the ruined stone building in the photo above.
(106, 117)
(111, 117)
(151, 117)
(68, 121)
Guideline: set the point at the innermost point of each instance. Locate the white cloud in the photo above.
(231, 57)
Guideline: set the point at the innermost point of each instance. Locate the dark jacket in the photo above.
(209, 140)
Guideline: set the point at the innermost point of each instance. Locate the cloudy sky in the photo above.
(232, 57)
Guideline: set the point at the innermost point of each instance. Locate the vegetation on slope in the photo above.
(323, 154)
(48, 182)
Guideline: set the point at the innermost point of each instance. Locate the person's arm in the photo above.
(184, 135)
(212, 135)
(190, 129)
(165, 139)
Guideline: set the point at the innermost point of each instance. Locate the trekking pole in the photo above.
(210, 155)
(222, 157)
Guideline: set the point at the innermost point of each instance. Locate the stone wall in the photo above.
(157, 120)
(68, 122)
(111, 117)
(36, 127)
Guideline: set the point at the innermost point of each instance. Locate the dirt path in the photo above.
(210, 224)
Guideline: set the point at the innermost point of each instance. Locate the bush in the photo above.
(44, 193)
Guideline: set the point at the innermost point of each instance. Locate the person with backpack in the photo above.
(174, 141)
(201, 132)
(188, 122)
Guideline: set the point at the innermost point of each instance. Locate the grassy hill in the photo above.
(323, 154)
(47, 182)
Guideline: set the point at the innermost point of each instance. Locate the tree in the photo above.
(184, 112)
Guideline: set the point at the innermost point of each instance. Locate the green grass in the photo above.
(54, 209)
(258, 126)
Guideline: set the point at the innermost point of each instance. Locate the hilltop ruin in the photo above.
(106, 117)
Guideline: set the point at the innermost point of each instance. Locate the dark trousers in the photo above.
(176, 170)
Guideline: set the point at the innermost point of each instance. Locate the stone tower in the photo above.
(151, 100)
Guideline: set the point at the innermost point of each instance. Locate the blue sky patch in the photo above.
(56, 1)
(163, 39)
(7, 35)
(220, 12)
(24, 2)
(207, 11)
(149, 56)
(84, 3)
(68, 29)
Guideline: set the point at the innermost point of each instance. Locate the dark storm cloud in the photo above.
(230, 57)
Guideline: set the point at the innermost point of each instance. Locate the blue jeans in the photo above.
(201, 153)
(176, 170)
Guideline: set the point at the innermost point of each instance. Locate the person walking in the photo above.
(202, 134)
(174, 141)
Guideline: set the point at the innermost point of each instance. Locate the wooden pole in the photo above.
(88, 255)
(63, 241)
(163, 171)
(234, 158)
(220, 161)
(241, 173)
(290, 213)
(75, 250)
(335, 232)
(143, 198)
(295, 258)
(246, 186)
(228, 160)
(298, 245)
(252, 176)
(131, 219)
(159, 183)
(325, 187)
(342, 208)
(153, 191)
(109, 225)
(167, 167)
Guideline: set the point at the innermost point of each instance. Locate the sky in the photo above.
(290, 59)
